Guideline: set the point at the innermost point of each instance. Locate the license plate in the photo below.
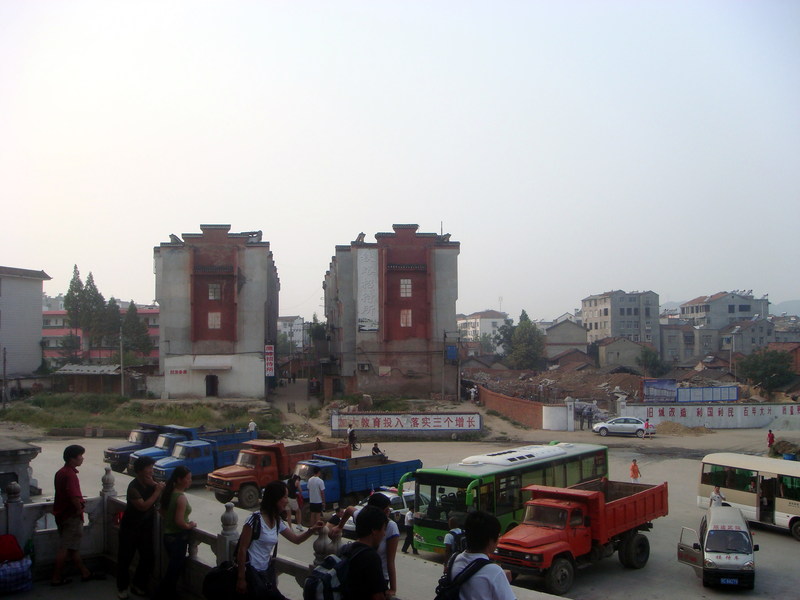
(729, 581)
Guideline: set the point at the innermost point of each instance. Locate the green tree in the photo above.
(527, 345)
(283, 348)
(69, 347)
(768, 369)
(94, 306)
(135, 336)
(318, 330)
(651, 362)
(112, 320)
(487, 344)
(73, 300)
(504, 335)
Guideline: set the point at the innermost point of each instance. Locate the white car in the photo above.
(623, 426)
(399, 505)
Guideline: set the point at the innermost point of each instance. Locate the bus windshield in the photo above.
(446, 497)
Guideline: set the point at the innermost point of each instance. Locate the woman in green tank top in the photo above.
(176, 529)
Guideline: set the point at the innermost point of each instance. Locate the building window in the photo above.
(405, 288)
(405, 317)
(621, 312)
(744, 308)
(214, 320)
(731, 308)
(214, 291)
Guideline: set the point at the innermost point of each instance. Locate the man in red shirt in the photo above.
(68, 511)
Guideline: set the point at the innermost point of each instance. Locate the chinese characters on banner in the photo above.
(269, 361)
(408, 422)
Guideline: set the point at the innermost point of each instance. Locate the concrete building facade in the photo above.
(630, 315)
(218, 298)
(21, 320)
(472, 327)
(563, 336)
(723, 308)
(390, 308)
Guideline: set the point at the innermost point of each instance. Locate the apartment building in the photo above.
(618, 314)
(487, 322)
(723, 308)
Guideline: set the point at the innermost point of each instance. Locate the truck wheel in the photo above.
(223, 496)
(248, 496)
(622, 551)
(603, 432)
(637, 551)
(796, 529)
(559, 577)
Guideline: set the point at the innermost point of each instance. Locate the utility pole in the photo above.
(121, 364)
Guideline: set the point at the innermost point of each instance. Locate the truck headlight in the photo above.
(533, 557)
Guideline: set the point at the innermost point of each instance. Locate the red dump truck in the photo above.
(261, 462)
(568, 528)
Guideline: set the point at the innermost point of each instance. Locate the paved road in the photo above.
(671, 459)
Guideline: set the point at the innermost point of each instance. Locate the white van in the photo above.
(722, 552)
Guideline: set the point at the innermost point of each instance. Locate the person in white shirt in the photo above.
(490, 582)
(251, 426)
(716, 498)
(316, 495)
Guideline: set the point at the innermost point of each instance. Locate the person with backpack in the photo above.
(455, 540)
(365, 579)
(258, 544)
(471, 575)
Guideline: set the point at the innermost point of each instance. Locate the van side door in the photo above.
(690, 550)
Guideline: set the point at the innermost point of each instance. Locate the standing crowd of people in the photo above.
(372, 573)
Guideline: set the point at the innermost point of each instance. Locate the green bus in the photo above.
(493, 482)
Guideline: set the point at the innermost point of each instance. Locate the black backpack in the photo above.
(459, 540)
(448, 588)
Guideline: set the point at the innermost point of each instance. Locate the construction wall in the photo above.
(526, 412)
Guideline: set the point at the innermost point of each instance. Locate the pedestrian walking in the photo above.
(636, 474)
(316, 495)
(581, 412)
(648, 429)
(716, 498)
(408, 523)
(589, 417)
(136, 530)
(770, 440)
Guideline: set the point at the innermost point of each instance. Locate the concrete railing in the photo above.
(34, 527)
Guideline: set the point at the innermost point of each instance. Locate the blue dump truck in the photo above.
(170, 436)
(348, 480)
(138, 439)
(204, 455)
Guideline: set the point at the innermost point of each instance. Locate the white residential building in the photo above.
(21, 319)
(472, 327)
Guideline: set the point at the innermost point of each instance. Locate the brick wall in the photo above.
(526, 412)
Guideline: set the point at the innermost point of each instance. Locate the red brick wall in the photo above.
(522, 411)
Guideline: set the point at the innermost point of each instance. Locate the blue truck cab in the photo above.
(166, 441)
(347, 480)
(204, 455)
(138, 439)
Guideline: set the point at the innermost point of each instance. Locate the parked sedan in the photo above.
(399, 507)
(623, 426)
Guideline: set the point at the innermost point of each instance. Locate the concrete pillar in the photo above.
(226, 540)
(569, 401)
(15, 522)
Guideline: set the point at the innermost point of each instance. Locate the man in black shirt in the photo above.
(365, 575)
(136, 529)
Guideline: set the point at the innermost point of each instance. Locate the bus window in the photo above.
(789, 487)
(573, 470)
(533, 478)
(727, 477)
(560, 476)
(508, 494)
(443, 501)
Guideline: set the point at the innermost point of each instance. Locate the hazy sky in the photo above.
(571, 147)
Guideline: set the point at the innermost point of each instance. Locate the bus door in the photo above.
(767, 487)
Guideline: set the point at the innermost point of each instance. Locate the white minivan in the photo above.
(722, 552)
